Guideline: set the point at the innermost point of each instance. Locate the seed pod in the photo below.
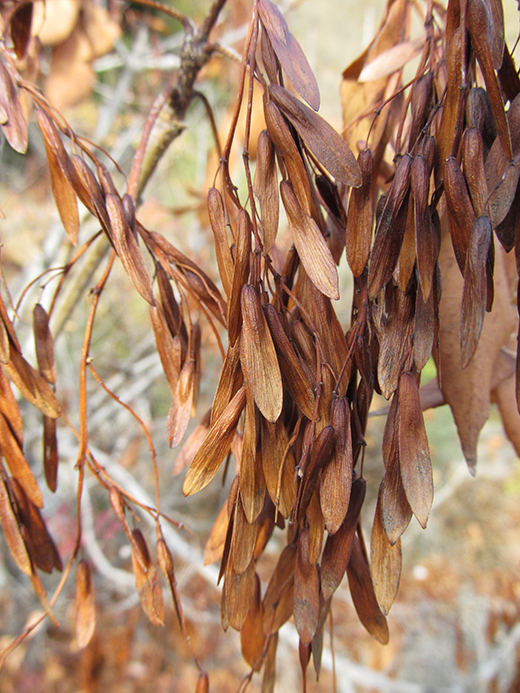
(480, 116)
(460, 210)
(306, 591)
(12, 534)
(312, 248)
(265, 187)
(85, 605)
(217, 220)
(426, 249)
(240, 274)
(258, 357)
(385, 560)
(473, 163)
(422, 92)
(360, 217)
(44, 344)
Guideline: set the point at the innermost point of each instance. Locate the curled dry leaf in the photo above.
(289, 53)
(312, 248)
(258, 356)
(85, 604)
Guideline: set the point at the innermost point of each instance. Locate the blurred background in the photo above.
(455, 626)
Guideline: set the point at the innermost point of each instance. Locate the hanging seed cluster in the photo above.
(416, 211)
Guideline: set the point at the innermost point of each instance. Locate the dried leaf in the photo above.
(289, 53)
(329, 148)
(215, 447)
(85, 605)
(310, 244)
(258, 357)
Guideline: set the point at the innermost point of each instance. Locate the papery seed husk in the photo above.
(306, 591)
(414, 453)
(422, 92)
(278, 598)
(44, 344)
(360, 217)
(473, 162)
(320, 456)
(169, 348)
(181, 408)
(258, 357)
(215, 447)
(11, 529)
(336, 481)
(33, 387)
(127, 249)
(238, 592)
(425, 246)
(252, 638)
(289, 53)
(240, 274)
(362, 591)
(329, 148)
(217, 221)
(244, 537)
(312, 248)
(265, 186)
(85, 604)
(275, 453)
(15, 128)
(18, 465)
(338, 546)
(385, 560)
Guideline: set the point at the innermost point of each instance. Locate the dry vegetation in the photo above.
(240, 330)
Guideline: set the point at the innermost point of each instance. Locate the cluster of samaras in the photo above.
(294, 392)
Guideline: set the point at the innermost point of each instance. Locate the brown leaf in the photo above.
(85, 605)
(310, 244)
(336, 480)
(215, 447)
(468, 391)
(414, 454)
(363, 596)
(289, 53)
(180, 410)
(252, 638)
(474, 296)
(329, 148)
(127, 249)
(385, 560)
(59, 166)
(265, 186)
(336, 554)
(258, 357)
(12, 534)
(44, 344)
(306, 591)
(360, 217)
